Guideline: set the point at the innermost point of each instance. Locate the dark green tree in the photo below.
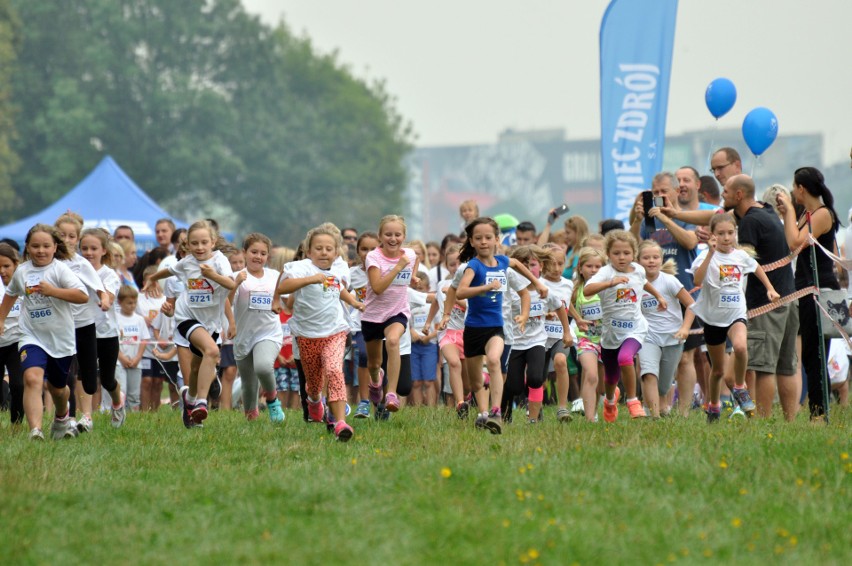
(9, 45)
(201, 103)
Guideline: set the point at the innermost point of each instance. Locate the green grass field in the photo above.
(425, 488)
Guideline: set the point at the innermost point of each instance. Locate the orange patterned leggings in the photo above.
(322, 359)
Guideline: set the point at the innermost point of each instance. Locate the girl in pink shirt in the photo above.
(390, 269)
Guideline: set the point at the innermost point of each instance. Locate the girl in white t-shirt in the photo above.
(720, 271)
(620, 284)
(48, 288)
(10, 360)
(367, 242)
(94, 246)
(207, 279)
(317, 285)
(386, 311)
(259, 335)
(667, 330)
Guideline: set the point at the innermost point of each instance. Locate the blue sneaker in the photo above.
(743, 399)
(382, 413)
(363, 409)
(737, 414)
(276, 415)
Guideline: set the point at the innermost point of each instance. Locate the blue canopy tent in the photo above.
(106, 198)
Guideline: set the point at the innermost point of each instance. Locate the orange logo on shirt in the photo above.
(730, 274)
(361, 294)
(198, 284)
(627, 295)
(331, 284)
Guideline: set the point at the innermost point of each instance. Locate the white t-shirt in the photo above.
(562, 290)
(621, 305)
(132, 330)
(253, 313)
(358, 284)
(457, 313)
(318, 311)
(663, 325)
(46, 322)
(85, 314)
(515, 282)
(534, 333)
(105, 325)
(12, 329)
(165, 327)
(203, 299)
(433, 276)
(419, 312)
(172, 289)
(722, 297)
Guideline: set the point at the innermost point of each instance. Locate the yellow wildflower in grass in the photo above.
(723, 464)
(844, 456)
(446, 472)
(737, 522)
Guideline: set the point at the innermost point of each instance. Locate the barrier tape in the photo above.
(841, 261)
(836, 324)
(757, 311)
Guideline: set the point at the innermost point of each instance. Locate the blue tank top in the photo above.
(486, 310)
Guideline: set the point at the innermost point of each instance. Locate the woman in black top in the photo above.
(810, 192)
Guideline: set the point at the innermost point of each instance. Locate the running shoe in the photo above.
(462, 410)
(737, 415)
(563, 415)
(343, 431)
(382, 413)
(118, 415)
(494, 422)
(199, 411)
(637, 411)
(316, 412)
(362, 411)
(85, 424)
(63, 428)
(376, 392)
(610, 411)
(252, 415)
(36, 434)
(743, 399)
(713, 415)
(480, 421)
(276, 415)
(578, 407)
(186, 407)
(392, 402)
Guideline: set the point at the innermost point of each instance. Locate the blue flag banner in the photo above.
(637, 38)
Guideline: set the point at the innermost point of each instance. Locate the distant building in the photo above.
(528, 173)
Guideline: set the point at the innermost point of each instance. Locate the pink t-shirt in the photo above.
(379, 308)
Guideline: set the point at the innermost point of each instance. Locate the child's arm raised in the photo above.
(293, 284)
(699, 274)
(380, 283)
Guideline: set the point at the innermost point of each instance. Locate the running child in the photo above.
(721, 271)
(206, 277)
(667, 330)
(48, 288)
(424, 344)
(367, 242)
(484, 283)
(259, 335)
(620, 285)
(10, 361)
(317, 285)
(587, 315)
(134, 337)
(386, 312)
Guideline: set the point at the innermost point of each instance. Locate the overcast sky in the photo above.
(465, 70)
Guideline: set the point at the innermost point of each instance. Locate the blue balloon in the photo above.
(720, 96)
(760, 128)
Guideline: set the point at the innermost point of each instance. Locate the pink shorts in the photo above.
(585, 346)
(455, 337)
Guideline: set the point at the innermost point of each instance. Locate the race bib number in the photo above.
(649, 303)
(419, 321)
(553, 330)
(260, 301)
(620, 324)
(591, 311)
(16, 310)
(285, 328)
(199, 292)
(729, 300)
(537, 309)
(41, 316)
(402, 278)
(498, 276)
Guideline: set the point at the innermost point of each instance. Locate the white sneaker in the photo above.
(66, 428)
(36, 434)
(85, 424)
(118, 415)
(578, 407)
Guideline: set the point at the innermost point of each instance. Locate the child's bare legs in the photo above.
(493, 355)
(717, 371)
(392, 335)
(229, 374)
(363, 383)
(651, 393)
(374, 362)
(737, 335)
(199, 387)
(474, 372)
(589, 388)
(686, 379)
(451, 354)
(33, 391)
(560, 366)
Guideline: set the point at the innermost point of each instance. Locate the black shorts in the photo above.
(186, 328)
(162, 370)
(476, 338)
(376, 330)
(693, 341)
(715, 335)
(226, 356)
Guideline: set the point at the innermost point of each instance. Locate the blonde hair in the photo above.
(256, 237)
(324, 229)
(392, 218)
(580, 227)
(669, 266)
(614, 236)
(467, 203)
(558, 237)
(728, 217)
(419, 245)
(218, 241)
(593, 238)
(525, 253)
(127, 247)
(104, 238)
(71, 218)
(279, 256)
(584, 255)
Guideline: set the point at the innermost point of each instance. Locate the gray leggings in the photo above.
(258, 366)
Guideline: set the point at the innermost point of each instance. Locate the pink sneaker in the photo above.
(376, 392)
(252, 415)
(316, 411)
(343, 431)
(636, 409)
(392, 402)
